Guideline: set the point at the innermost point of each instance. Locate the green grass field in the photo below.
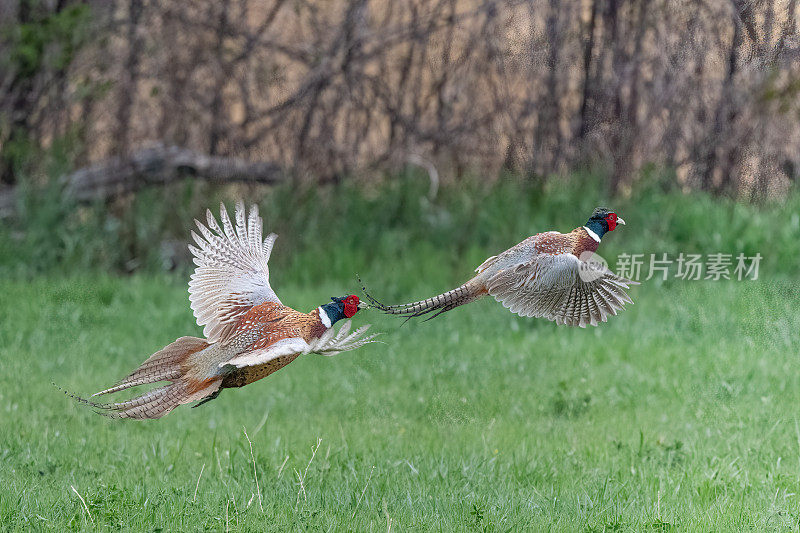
(679, 414)
(682, 413)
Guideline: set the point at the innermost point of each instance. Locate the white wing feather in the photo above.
(280, 348)
(330, 343)
(232, 274)
(553, 287)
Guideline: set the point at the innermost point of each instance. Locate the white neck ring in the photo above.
(592, 234)
(326, 320)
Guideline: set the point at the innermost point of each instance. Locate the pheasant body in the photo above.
(249, 333)
(547, 275)
(261, 327)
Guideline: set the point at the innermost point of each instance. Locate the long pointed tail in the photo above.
(168, 364)
(464, 294)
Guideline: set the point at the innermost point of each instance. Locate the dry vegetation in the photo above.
(325, 89)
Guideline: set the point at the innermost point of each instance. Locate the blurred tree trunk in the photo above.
(588, 51)
(218, 126)
(38, 42)
(129, 83)
(547, 137)
(628, 122)
(720, 156)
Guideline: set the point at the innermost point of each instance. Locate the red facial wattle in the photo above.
(612, 221)
(350, 305)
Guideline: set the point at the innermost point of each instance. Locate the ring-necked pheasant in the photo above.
(549, 275)
(249, 333)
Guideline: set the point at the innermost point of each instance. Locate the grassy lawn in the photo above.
(681, 413)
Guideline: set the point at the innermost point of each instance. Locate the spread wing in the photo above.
(232, 273)
(561, 288)
(287, 346)
(330, 343)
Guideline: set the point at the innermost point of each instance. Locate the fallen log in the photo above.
(155, 165)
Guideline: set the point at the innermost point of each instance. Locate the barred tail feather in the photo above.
(157, 402)
(466, 293)
(168, 364)
(165, 364)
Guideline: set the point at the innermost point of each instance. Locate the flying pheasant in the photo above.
(549, 275)
(249, 333)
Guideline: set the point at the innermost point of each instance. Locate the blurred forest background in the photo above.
(103, 102)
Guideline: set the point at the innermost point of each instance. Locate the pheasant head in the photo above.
(339, 308)
(602, 221)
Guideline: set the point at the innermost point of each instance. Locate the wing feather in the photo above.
(554, 286)
(329, 343)
(279, 348)
(232, 273)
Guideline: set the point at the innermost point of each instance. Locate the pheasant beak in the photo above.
(620, 221)
(363, 305)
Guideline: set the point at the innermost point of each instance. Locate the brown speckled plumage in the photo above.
(274, 322)
(250, 374)
(546, 275)
(581, 242)
(250, 333)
